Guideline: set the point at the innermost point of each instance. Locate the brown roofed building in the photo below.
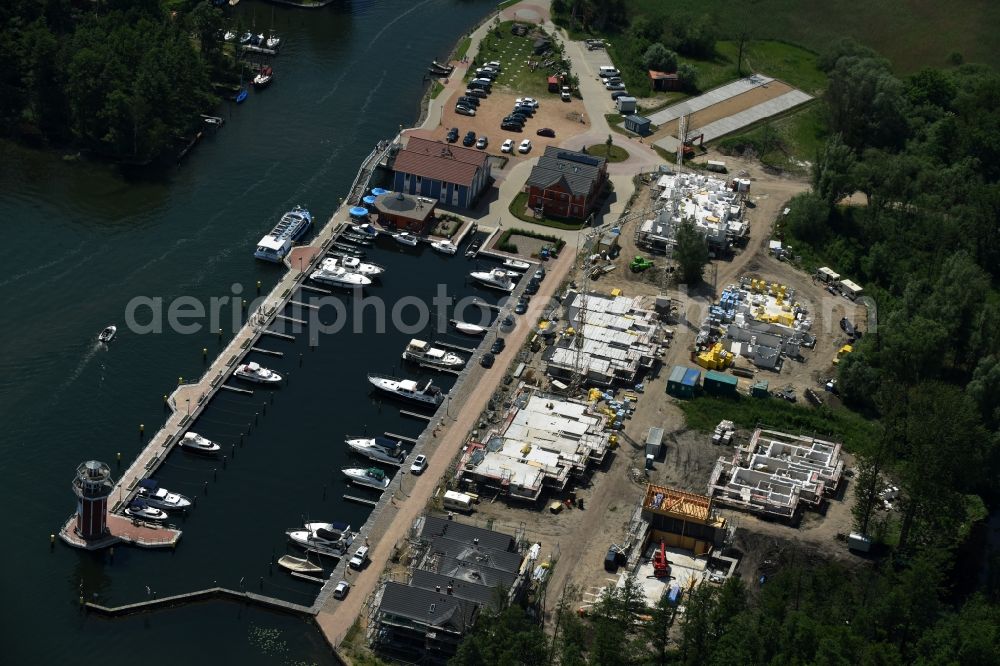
(405, 212)
(664, 80)
(566, 183)
(450, 174)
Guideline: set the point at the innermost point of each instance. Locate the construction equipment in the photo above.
(640, 264)
(661, 568)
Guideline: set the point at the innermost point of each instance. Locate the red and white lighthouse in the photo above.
(92, 487)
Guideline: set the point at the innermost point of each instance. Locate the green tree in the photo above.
(687, 74)
(504, 638)
(658, 57)
(834, 171)
(866, 103)
(690, 252)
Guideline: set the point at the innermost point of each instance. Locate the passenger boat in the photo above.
(326, 538)
(192, 441)
(253, 372)
(366, 229)
(467, 328)
(108, 334)
(420, 351)
(372, 477)
(381, 449)
(141, 510)
(340, 277)
(152, 494)
(353, 264)
(516, 265)
(292, 226)
(406, 238)
(494, 279)
(263, 78)
(445, 247)
(299, 565)
(407, 389)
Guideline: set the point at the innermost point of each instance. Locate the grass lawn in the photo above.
(436, 88)
(856, 432)
(616, 154)
(513, 53)
(462, 48)
(785, 142)
(519, 205)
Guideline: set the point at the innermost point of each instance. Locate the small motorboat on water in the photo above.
(406, 238)
(273, 42)
(141, 510)
(340, 277)
(241, 96)
(372, 477)
(108, 334)
(407, 389)
(192, 441)
(420, 351)
(299, 565)
(367, 229)
(380, 449)
(516, 265)
(246, 37)
(152, 494)
(326, 538)
(254, 372)
(495, 279)
(263, 78)
(467, 328)
(445, 247)
(352, 264)
(229, 35)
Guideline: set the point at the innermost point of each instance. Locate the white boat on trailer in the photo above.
(516, 264)
(192, 441)
(497, 278)
(380, 449)
(420, 351)
(152, 494)
(445, 247)
(372, 477)
(407, 389)
(324, 538)
(254, 372)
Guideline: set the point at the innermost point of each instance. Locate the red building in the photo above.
(566, 183)
(664, 80)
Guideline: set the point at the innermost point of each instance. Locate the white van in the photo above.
(607, 71)
(457, 501)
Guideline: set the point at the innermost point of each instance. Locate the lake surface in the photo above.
(87, 240)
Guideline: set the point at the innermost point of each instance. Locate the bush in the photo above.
(660, 58)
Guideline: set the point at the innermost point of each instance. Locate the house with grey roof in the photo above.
(566, 183)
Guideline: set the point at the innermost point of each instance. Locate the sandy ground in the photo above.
(724, 109)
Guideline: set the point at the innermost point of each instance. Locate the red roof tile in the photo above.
(440, 161)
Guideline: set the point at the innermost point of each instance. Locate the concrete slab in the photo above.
(754, 114)
(714, 96)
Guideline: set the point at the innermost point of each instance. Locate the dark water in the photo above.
(83, 241)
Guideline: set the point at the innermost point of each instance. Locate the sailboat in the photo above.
(241, 95)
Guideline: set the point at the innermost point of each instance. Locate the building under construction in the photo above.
(542, 443)
(777, 474)
(682, 520)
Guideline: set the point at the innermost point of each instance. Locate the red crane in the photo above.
(661, 568)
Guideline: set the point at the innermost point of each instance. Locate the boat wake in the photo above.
(43, 267)
(88, 355)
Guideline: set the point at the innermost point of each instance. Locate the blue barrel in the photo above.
(359, 211)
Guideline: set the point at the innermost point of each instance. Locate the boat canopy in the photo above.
(271, 243)
(149, 484)
(253, 366)
(386, 443)
(375, 473)
(418, 344)
(138, 505)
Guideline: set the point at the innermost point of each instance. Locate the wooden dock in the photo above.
(291, 319)
(402, 438)
(448, 345)
(283, 336)
(269, 352)
(304, 305)
(487, 306)
(415, 415)
(438, 368)
(234, 389)
(360, 500)
(318, 290)
(201, 595)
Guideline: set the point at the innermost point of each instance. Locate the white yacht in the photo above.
(372, 477)
(253, 372)
(381, 449)
(299, 565)
(406, 238)
(445, 247)
(152, 494)
(195, 442)
(141, 510)
(341, 277)
(352, 264)
(407, 389)
(516, 264)
(108, 334)
(326, 538)
(467, 328)
(366, 229)
(421, 351)
(495, 279)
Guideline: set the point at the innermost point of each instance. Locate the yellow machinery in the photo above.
(842, 352)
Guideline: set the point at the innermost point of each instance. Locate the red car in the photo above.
(547, 131)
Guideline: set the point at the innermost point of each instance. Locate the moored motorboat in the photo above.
(353, 264)
(139, 509)
(516, 264)
(420, 351)
(254, 372)
(446, 69)
(152, 494)
(108, 334)
(467, 328)
(341, 277)
(299, 565)
(407, 389)
(406, 238)
(494, 279)
(445, 247)
(272, 42)
(263, 77)
(371, 477)
(326, 538)
(246, 37)
(381, 449)
(229, 35)
(366, 229)
(192, 441)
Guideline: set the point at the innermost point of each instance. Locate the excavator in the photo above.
(639, 264)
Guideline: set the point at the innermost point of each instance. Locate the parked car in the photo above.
(469, 100)
(565, 95)
(525, 109)
(464, 110)
(360, 556)
(482, 143)
(419, 464)
(498, 346)
(613, 79)
(343, 587)
(495, 64)
(619, 93)
(539, 275)
(470, 138)
(609, 72)
(475, 92)
(453, 135)
(527, 101)
(525, 146)
(532, 287)
(546, 131)
(615, 86)
(507, 146)
(511, 127)
(521, 307)
(517, 115)
(487, 360)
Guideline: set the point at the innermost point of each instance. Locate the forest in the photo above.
(921, 156)
(123, 80)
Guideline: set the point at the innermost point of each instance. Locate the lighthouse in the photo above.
(92, 486)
